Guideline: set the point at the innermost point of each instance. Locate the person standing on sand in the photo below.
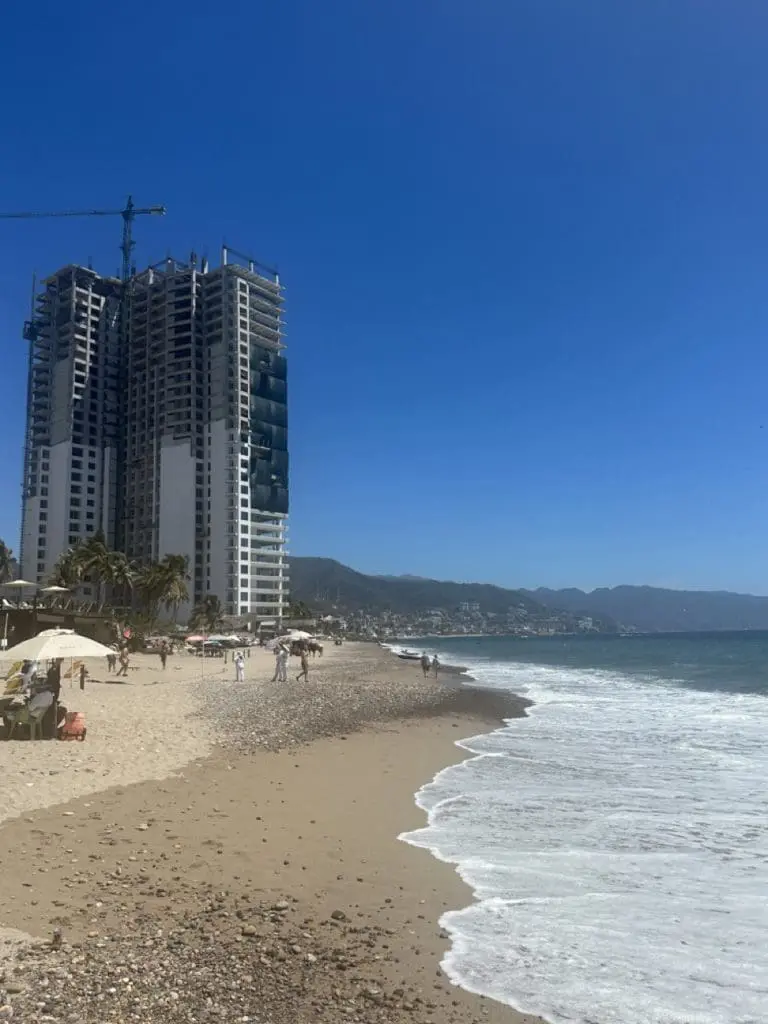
(435, 665)
(281, 664)
(304, 666)
(239, 667)
(278, 653)
(164, 653)
(425, 664)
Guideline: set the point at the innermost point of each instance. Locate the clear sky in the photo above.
(525, 245)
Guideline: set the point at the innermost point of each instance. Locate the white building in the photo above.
(163, 403)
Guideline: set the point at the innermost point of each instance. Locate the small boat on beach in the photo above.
(408, 655)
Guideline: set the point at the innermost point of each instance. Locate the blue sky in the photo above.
(525, 246)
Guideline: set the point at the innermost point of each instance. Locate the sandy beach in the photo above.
(237, 860)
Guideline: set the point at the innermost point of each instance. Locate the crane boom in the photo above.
(128, 214)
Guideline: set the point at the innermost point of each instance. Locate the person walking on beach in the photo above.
(425, 664)
(304, 666)
(124, 662)
(435, 665)
(111, 662)
(239, 667)
(164, 653)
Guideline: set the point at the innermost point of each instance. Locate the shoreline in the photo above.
(308, 825)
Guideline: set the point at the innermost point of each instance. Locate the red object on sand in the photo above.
(74, 727)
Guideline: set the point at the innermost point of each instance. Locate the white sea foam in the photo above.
(617, 848)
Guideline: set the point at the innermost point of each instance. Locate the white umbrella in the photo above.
(19, 583)
(55, 590)
(299, 634)
(56, 643)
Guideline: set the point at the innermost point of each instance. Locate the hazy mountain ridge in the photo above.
(324, 581)
(655, 609)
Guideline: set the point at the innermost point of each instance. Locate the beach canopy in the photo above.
(195, 639)
(56, 643)
(54, 589)
(19, 584)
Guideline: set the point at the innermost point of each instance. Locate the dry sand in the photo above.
(256, 884)
(144, 727)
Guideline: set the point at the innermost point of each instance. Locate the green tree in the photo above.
(92, 561)
(300, 610)
(164, 584)
(68, 571)
(6, 562)
(207, 615)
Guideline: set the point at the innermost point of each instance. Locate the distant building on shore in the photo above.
(157, 413)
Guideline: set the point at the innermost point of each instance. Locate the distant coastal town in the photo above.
(470, 619)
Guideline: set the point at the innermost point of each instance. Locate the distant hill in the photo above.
(323, 582)
(653, 609)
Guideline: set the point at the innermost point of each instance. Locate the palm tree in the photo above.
(175, 572)
(164, 583)
(6, 562)
(68, 571)
(206, 615)
(93, 561)
(148, 585)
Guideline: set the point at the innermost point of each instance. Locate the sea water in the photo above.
(616, 838)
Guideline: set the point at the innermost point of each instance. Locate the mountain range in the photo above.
(654, 609)
(324, 583)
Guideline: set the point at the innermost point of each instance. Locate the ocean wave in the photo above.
(615, 846)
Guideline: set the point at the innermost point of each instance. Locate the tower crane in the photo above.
(129, 213)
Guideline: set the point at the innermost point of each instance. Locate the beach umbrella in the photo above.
(18, 586)
(56, 643)
(55, 590)
(299, 634)
(195, 639)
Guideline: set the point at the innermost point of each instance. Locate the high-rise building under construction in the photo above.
(157, 413)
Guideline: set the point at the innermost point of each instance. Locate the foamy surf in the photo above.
(614, 842)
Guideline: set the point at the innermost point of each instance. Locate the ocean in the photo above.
(615, 840)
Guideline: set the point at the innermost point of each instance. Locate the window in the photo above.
(77, 476)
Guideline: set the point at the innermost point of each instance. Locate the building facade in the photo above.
(175, 387)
